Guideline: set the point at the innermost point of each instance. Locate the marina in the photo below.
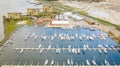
(57, 47)
(56, 34)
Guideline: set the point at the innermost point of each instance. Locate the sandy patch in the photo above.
(22, 23)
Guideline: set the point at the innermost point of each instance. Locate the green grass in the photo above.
(10, 27)
(28, 22)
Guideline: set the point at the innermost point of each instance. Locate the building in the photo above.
(43, 20)
(14, 15)
(59, 23)
(47, 8)
(32, 11)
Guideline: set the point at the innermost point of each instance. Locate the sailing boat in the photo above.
(68, 61)
(52, 62)
(41, 51)
(46, 62)
(39, 46)
(21, 51)
(105, 50)
(57, 51)
(80, 38)
(93, 61)
(106, 62)
(87, 62)
(78, 50)
(99, 51)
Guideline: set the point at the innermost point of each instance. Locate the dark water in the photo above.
(11, 56)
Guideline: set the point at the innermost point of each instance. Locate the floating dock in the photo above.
(66, 48)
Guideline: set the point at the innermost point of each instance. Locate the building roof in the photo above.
(40, 20)
(77, 17)
(60, 22)
(14, 13)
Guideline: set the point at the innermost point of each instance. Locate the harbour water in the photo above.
(57, 56)
(13, 6)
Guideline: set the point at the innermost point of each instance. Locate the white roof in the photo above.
(77, 17)
(68, 13)
(60, 22)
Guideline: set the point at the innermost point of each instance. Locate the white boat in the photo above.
(91, 38)
(35, 26)
(94, 63)
(10, 41)
(100, 46)
(99, 51)
(87, 62)
(92, 29)
(75, 50)
(106, 62)
(84, 47)
(41, 51)
(78, 50)
(80, 37)
(87, 38)
(69, 50)
(76, 35)
(93, 35)
(40, 46)
(44, 37)
(49, 47)
(52, 37)
(26, 37)
(35, 37)
(32, 35)
(21, 51)
(105, 51)
(106, 46)
(46, 62)
(57, 51)
(111, 46)
(87, 46)
(52, 62)
(68, 61)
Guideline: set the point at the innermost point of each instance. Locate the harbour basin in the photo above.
(31, 45)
